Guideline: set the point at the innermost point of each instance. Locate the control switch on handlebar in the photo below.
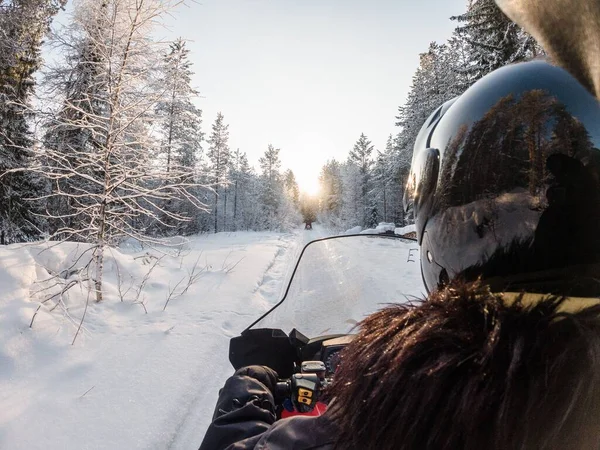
(305, 391)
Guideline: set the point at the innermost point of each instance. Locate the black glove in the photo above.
(264, 374)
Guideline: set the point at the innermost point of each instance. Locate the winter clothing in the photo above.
(245, 414)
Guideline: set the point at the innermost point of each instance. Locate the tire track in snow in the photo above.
(269, 289)
(276, 278)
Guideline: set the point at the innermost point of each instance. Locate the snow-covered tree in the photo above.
(494, 39)
(272, 189)
(435, 81)
(352, 211)
(289, 211)
(309, 207)
(75, 131)
(330, 206)
(219, 155)
(381, 182)
(181, 120)
(23, 24)
(181, 133)
(239, 172)
(107, 95)
(361, 158)
(250, 202)
(399, 160)
(291, 187)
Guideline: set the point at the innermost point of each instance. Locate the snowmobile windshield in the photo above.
(339, 281)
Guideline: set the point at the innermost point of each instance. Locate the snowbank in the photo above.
(383, 227)
(355, 230)
(141, 375)
(138, 375)
(405, 230)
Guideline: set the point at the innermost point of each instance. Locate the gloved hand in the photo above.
(264, 374)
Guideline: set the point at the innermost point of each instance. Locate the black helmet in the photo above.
(505, 184)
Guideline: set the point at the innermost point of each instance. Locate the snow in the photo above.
(333, 289)
(383, 227)
(405, 230)
(355, 230)
(135, 379)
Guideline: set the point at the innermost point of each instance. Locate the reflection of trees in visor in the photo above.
(528, 146)
(508, 146)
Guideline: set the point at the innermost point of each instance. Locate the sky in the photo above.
(308, 76)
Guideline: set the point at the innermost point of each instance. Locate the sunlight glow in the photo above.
(308, 183)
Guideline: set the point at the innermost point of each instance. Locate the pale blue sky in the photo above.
(308, 76)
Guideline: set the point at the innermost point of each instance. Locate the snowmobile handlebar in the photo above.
(303, 390)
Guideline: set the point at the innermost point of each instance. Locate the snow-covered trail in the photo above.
(341, 281)
(146, 376)
(266, 294)
(133, 379)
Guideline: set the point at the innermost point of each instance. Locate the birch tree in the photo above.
(114, 186)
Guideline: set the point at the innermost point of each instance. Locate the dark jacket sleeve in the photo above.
(245, 409)
(296, 433)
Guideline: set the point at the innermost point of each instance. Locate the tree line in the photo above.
(109, 144)
(367, 187)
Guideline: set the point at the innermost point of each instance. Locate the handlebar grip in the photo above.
(283, 389)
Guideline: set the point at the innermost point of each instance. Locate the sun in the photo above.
(309, 185)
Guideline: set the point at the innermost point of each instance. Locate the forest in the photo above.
(108, 142)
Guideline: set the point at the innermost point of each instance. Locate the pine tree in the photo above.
(219, 155)
(76, 130)
(457, 65)
(494, 39)
(381, 181)
(291, 187)
(244, 187)
(360, 157)
(180, 121)
(272, 187)
(23, 24)
(399, 160)
(435, 82)
(331, 200)
(236, 176)
(250, 197)
(353, 212)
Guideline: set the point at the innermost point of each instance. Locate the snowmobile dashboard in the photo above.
(285, 353)
(330, 352)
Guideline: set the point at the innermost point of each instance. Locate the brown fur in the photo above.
(569, 30)
(467, 370)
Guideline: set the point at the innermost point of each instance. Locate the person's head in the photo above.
(469, 369)
(505, 184)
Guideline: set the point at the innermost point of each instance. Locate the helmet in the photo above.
(505, 184)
